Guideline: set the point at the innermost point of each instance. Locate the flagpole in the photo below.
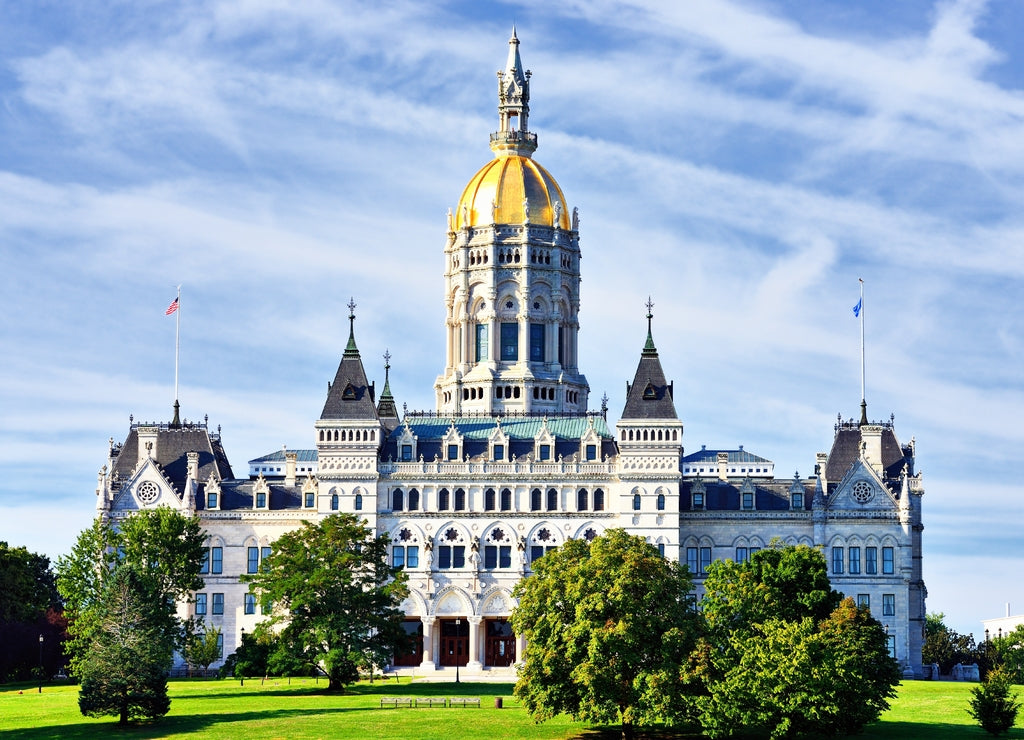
(863, 395)
(176, 422)
(177, 342)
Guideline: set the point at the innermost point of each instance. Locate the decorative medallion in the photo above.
(497, 535)
(451, 534)
(590, 534)
(862, 491)
(147, 492)
(544, 535)
(405, 535)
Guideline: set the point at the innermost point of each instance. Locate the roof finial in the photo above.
(176, 422)
(649, 346)
(351, 347)
(863, 412)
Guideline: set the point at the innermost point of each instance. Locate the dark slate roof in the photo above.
(350, 395)
(172, 448)
(521, 432)
(649, 396)
(725, 495)
(846, 451)
(707, 456)
(238, 494)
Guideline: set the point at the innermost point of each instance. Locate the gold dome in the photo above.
(506, 181)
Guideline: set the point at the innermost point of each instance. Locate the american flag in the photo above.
(172, 308)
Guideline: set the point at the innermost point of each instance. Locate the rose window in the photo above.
(147, 492)
(862, 492)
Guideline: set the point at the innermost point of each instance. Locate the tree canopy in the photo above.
(29, 606)
(158, 553)
(124, 667)
(607, 625)
(329, 588)
(783, 655)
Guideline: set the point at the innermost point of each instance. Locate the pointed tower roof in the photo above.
(650, 395)
(386, 409)
(350, 395)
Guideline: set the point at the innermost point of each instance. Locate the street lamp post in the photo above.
(40, 662)
(458, 644)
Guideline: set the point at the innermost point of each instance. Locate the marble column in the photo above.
(474, 643)
(428, 644)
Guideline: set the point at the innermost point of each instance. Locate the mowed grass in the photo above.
(277, 709)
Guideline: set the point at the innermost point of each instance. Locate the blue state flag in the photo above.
(857, 309)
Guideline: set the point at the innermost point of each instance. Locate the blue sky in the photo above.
(743, 163)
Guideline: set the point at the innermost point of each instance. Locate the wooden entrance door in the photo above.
(414, 629)
(501, 643)
(454, 642)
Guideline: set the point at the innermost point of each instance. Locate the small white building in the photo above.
(1000, 626)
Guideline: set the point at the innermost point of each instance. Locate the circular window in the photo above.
(147, 492)
(862, 492)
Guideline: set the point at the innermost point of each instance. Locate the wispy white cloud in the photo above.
(738, 162)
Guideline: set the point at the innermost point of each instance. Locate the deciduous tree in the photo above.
(203, 647)
(163, 545)
(29, 606)
(783, 655)
(1009, 654)
(607, 625)
(333, 595)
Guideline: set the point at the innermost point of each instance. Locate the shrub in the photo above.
(992, 704)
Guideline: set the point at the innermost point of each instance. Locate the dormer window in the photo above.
(349, 394)
(498, 452)
(545, 452)
(698, 500)
(591, 452)
(261, 500)
(797, 500)
(406, 453)
(650, 394)
(453, 452)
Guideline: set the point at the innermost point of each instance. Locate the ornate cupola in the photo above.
(512, 277)
(513, 134)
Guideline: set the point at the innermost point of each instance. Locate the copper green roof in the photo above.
(480, 427)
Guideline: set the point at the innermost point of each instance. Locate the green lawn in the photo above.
(275, 709)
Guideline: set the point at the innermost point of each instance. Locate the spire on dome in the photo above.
(513, 135)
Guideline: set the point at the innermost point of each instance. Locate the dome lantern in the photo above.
(513, 135)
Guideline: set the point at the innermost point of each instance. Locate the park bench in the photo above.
(464, 701)
(430, 701)
(395, 701)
